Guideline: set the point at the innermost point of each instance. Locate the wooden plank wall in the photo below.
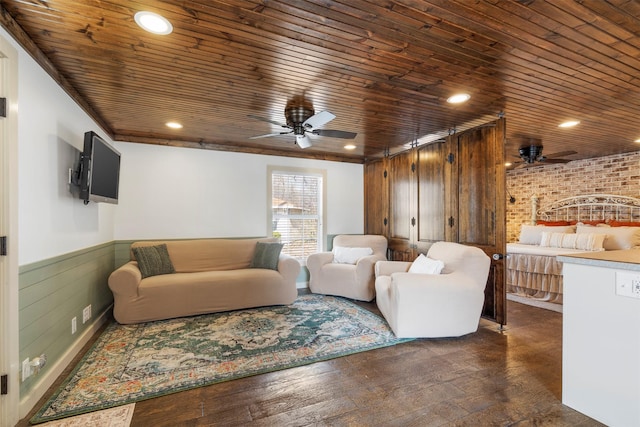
(51, 293)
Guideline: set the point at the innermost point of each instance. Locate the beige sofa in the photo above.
(211, 275)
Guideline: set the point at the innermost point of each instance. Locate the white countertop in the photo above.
(626, 259)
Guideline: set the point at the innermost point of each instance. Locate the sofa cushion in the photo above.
(189, 256)
(266, 255)
(153, 260)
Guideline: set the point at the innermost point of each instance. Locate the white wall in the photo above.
(50, 125)
(171, 192)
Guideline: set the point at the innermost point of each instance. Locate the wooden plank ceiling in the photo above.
(384, 68)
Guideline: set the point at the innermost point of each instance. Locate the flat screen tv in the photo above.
(99, 174)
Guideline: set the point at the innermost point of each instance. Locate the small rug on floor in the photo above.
(120, 416)
(130, 363)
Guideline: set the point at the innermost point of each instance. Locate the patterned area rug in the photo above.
(129, 363)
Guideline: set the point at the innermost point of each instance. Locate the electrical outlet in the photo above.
(26, 369)
(86, 313)
(628, 284)
(74, 325)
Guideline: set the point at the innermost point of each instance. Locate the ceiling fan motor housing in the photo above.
(296, 116)
(531, 153)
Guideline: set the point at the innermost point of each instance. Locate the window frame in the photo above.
(288, 170)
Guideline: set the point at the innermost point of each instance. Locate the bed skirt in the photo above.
(535, 276)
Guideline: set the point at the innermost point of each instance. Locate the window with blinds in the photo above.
(296, 212)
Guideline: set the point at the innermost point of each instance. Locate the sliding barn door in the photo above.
(478, 211)
(432, 181)
(401, 206)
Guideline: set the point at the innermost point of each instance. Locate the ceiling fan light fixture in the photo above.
(303, 141)
(569, 124)
(152, 22)
(458, 98)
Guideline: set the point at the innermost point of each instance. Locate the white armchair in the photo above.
(434, 305)
(354, 278)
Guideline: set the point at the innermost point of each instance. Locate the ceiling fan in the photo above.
(533, 154)
(302, 120)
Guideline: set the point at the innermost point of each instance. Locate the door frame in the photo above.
(9, 328)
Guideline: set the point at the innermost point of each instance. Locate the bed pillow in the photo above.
(532, 234)
(551, 223)
(426, 265)
(153, 260)
(617, 237)
(615, 223)
(598, 222)
(344, 255)
(582, 241)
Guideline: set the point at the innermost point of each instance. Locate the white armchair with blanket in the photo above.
(348, 270)
(419, 305)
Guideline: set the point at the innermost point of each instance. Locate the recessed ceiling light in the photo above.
(637, 140)
(153, 22)
(174, 125)
(569, 124)
(349, 147)
(507, 164)
(459, 98)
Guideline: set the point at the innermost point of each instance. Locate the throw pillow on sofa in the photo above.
(153, 260)
(349, 255)
(425, 265)
(266, 255)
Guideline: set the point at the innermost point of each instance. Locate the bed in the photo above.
(572, 225)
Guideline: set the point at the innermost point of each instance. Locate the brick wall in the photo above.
(618, 174)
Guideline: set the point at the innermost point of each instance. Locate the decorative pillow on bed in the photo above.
(615, 223)
(344, 255)
(583, 241)
(551, 223)
(153, 260)
(617, 237)
(532, 234)
(426, 265)
(596, 222)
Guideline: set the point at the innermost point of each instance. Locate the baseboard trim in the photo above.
(28, 402)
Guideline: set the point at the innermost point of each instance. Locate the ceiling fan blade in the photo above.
(546, 160)
(334, 133)
(303, 141)
(318, 119)
(270, 134)
(560, 154)
(273, 122)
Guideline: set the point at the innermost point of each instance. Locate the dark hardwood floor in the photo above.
(490, 378)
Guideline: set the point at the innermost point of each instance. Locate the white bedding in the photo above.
(520, 248)
(534, 272)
